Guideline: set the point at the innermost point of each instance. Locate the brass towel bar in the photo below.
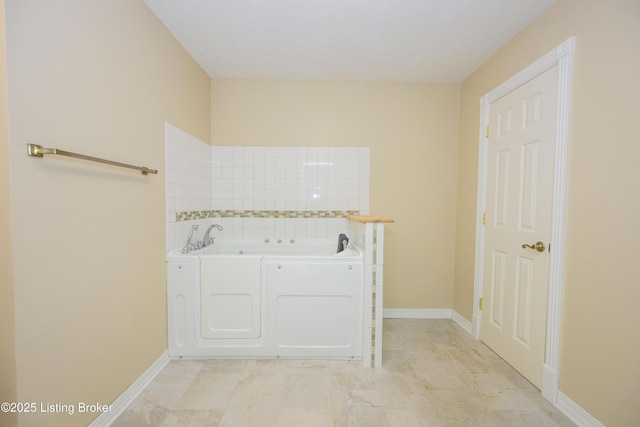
(39, 151)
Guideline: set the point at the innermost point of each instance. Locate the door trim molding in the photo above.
(562, 57)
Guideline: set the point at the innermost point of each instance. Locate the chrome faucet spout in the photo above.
(208, 240)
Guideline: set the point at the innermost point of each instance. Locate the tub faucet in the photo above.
(208, 240)
(187, 245)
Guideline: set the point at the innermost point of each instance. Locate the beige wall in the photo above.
(600, 344)
(7, 336)
(87, 256)
(412, 132)
(98, 78)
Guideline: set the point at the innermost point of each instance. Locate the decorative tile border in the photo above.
(192, 215)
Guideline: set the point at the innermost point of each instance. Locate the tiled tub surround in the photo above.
(262, 192)
(276, 192)
(292, 179)
(368, 233)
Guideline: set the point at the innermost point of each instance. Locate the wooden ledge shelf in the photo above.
(368, 219)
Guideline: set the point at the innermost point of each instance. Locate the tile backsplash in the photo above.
(291, 179)
(262, 192)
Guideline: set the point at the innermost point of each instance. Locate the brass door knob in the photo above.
(539, 246)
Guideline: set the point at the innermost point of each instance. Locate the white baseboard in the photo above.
(462, 322)
(417, 313)
(129, 395)
(575, 413)
(428, 313)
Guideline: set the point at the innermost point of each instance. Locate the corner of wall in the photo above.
(8, 391)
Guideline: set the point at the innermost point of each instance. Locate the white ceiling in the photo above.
(435, 41)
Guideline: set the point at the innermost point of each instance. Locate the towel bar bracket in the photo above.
(39, 150)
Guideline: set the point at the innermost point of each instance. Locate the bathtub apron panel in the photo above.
(181, 275)
(317, 310)
(282, 298)
(230, 297)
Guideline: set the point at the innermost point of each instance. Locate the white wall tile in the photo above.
(202, 178)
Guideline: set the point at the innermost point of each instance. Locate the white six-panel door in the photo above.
(519, 199)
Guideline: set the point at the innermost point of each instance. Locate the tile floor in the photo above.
(433, 374)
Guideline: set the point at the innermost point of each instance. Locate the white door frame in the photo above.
(562, 57)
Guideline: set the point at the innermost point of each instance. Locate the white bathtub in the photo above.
(258, 298)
